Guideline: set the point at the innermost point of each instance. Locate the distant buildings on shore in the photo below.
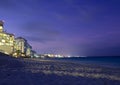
(52, 56)
(16, 47)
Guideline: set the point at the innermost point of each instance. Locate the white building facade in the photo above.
(6, 41)
(22, 48)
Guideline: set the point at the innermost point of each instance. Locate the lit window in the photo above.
(3, 40)
(1, 43)
(7, 37)
(11, 43)
(7, 44)
(1, 27)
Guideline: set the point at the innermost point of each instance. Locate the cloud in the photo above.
(7, 4)
(36, 25)
(18, 6)
(40, 39)
(106, 51)
(40, 32)
(95, 49)
(101, 44)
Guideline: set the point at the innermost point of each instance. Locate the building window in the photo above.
(3, 40)
(1, 43)
(1, 27)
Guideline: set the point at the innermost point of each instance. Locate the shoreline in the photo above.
(91, 63)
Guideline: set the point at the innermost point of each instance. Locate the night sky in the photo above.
(75, 27)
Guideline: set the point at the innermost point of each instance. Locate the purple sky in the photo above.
(75, 27)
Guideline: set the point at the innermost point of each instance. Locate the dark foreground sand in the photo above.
(54, 72)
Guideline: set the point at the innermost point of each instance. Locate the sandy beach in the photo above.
(54, 72)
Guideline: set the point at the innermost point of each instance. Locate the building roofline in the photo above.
(7, 33)
(1, 22)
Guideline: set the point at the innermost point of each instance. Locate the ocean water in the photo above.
(107, 61)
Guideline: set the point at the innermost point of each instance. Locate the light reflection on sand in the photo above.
(72, 69)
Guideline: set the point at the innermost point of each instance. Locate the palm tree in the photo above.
(18, 53)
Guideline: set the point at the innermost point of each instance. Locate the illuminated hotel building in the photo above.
(23, 47)
(6, 41)
(17, 47)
